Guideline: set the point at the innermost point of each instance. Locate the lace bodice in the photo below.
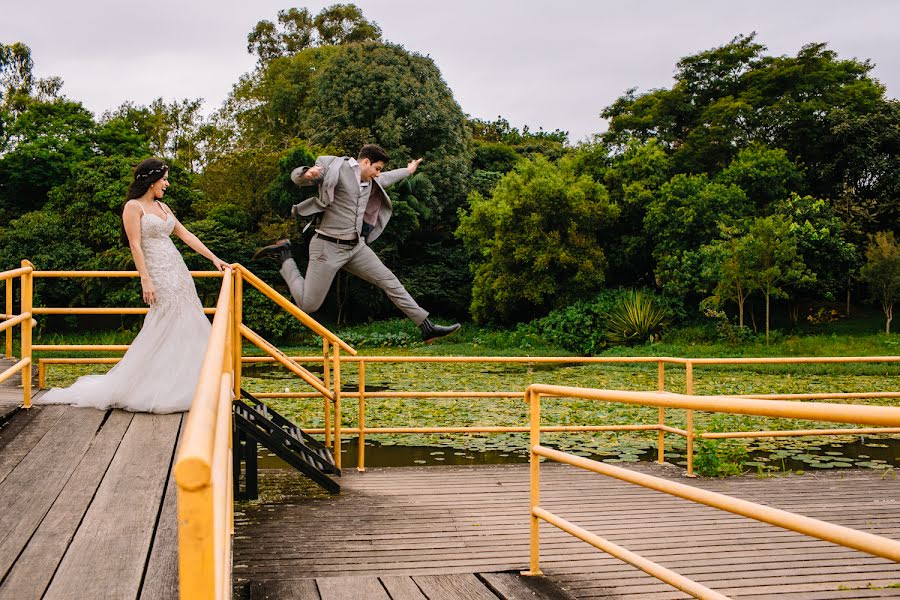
(175, 289)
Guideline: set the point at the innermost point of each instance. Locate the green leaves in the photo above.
(534, 242)
(882, 272)
(638, 318)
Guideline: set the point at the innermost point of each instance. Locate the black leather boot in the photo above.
(431, 332)
(280, 251)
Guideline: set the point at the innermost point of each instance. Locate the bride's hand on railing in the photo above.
(220, 264)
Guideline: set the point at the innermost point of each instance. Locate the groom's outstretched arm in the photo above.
(389, 178)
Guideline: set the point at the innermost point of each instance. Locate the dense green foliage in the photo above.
(743, 194)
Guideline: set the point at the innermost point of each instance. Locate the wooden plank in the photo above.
(351, 588)
(23, 432)
(34, 568)
(447, 520)
(161, 578)
(512, 586)
(31, 488)
(299, 589)
(108, 554)
(402, 588)
(462, 586)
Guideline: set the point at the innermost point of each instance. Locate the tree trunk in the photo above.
(848, 295)
(889, 314)
(794, 312)
(740, 312)
(767, 316)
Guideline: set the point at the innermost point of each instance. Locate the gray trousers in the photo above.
(327, 258)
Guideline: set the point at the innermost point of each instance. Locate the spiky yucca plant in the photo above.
(637, 318)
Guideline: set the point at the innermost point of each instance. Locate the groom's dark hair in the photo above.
(374, 153)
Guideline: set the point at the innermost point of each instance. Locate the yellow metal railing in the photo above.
(25, 322)
(334, 436)
(839, 413)
(328, 387)
(203, 467)
(660, 426)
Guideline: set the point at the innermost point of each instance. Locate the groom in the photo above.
(354, 210)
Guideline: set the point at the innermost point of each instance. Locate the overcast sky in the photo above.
(550, 65)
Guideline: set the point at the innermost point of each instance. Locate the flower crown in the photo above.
(161, 169)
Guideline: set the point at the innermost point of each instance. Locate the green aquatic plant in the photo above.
(637, 318)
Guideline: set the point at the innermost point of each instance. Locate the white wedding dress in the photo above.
(159, 371)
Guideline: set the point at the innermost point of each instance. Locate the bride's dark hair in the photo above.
(148, 172)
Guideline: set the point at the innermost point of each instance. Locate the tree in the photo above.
(727, 264)
(683, 215)
(533, 243)
(298, 30)
(44, 145)
(820, 242)
(764, 174)
(174, 131)
(729, 98)
(340, 97)
(774, 261)
(882, 272)
(18, 86)
(632, 177)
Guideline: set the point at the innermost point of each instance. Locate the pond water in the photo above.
(868, 452)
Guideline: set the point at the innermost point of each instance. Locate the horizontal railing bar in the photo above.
(763, 360)
(9, 323)
(6, 275)
(674, 430)
(79, 361)
(844, 536)
(817, 396)
(14, 369)
(799, 433)
(81, 347)
(476, 359)
(813, 411)
(79, 274)
(648, 566)
(594, 359)
(124, 310)
(491, 429)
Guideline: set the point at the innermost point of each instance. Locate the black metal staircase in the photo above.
(256, 423)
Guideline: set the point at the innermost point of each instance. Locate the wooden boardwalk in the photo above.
(416, 523)
(88, 505)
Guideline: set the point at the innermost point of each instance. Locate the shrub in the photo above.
(582, 327)
(637, 317)
(713, 458)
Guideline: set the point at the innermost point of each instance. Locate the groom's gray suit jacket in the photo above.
(334, 171)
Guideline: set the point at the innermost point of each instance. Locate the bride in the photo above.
(160, 370)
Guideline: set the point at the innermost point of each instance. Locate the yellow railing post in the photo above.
(361, 460)
(689, 391)
(237, 339)
(27, 301)
(9, 312)
(42, 375)
(661, 435)
(326, 379)
(337, 404)
(533, 400)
